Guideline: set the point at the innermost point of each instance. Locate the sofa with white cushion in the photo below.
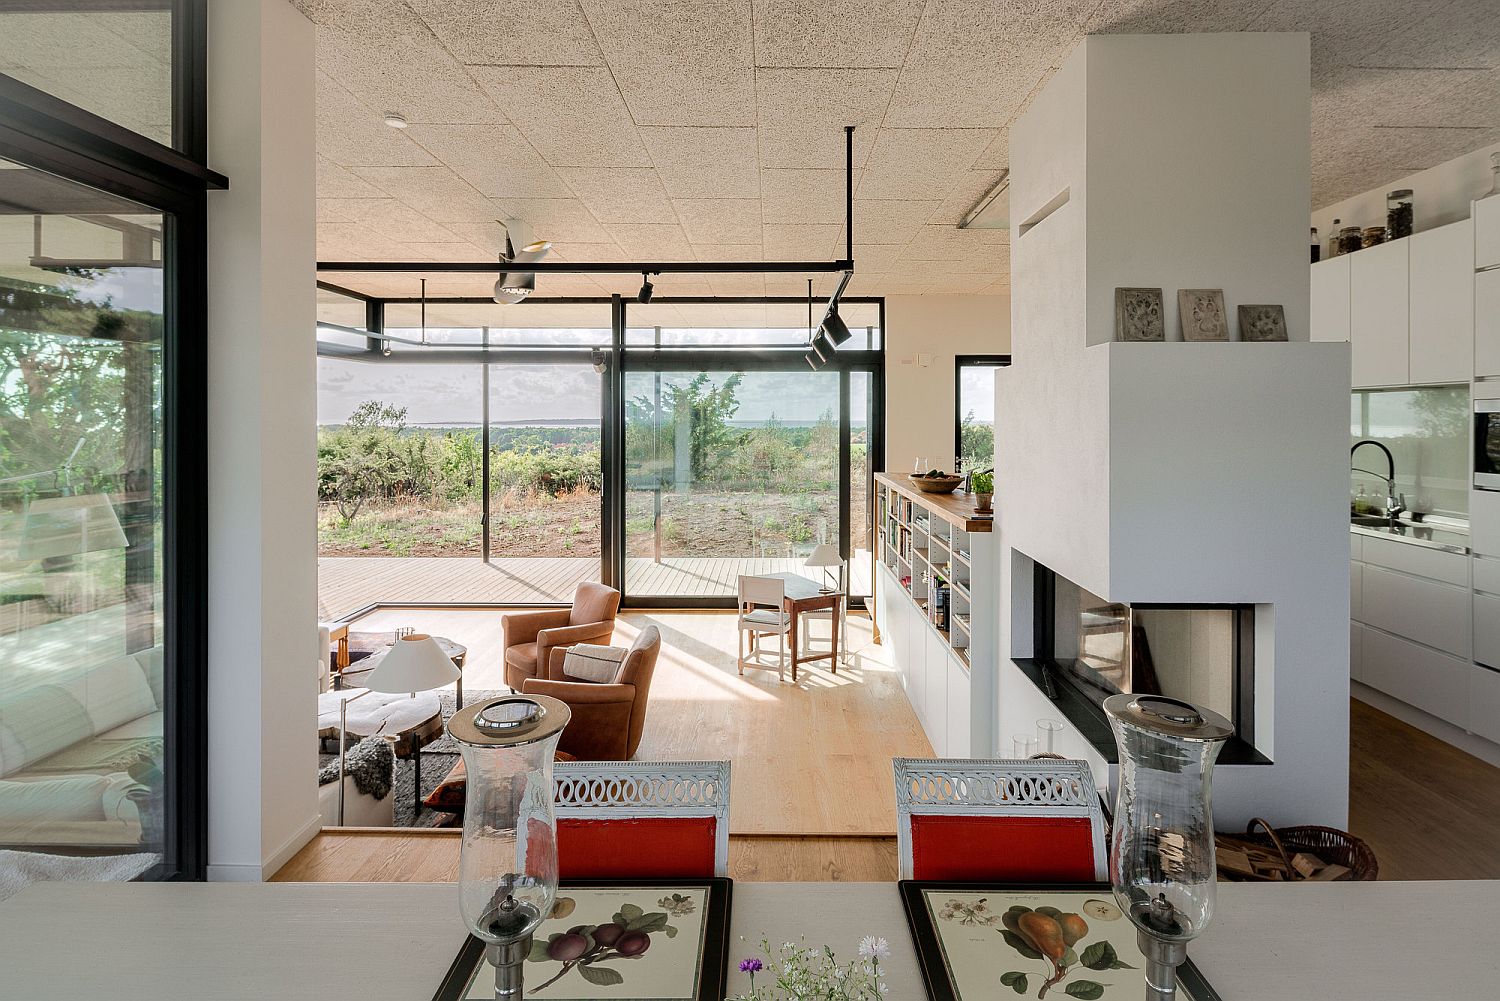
(68, 739)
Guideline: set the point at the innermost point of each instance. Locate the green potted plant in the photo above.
(982, 486)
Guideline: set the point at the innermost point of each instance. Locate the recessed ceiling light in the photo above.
(396, 121)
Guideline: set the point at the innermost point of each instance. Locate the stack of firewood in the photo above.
(1241, 860)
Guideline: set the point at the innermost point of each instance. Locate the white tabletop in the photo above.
(394, 941)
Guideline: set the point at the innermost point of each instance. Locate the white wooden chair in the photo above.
(642, 819)
(762, 611)
(968, 819)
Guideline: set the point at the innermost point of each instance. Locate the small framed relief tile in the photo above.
(1138, 315)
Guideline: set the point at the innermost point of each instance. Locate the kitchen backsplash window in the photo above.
(1427, 431)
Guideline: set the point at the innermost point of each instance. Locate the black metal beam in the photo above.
(585, 267)
(849, 196)
(598, 300)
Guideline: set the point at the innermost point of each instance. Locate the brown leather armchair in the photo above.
(608, 719)
(536, 641)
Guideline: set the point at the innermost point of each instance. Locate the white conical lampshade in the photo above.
(416, 663)
(825, 555)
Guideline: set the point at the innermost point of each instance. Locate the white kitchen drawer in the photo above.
(1487, 630)
(1484, 703)
(1433, 682)
(1484, 522)
(1451, 568)
(1356, 590)
(1356, 547)
(1487, 323)
(1486, 574)
(1356, 645)
(1487, 233)
(1421, 610)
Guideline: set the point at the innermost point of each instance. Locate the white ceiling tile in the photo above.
(652, 241)
(573, 115)
(334, 181)
(333, 210)
(704, 31)
(1152, 17)
(738, 284)
(1386, 32)
(996, 155)
(554, 219)
(394, 220)
(845, 33)
(720, 220)
(877, 258)
(590, 253)
(687, 93)
(802, 113)
(971, 187)
(496, 159)
(351, 134)
(729, 251)
(806, 196)
(436, 192)
(793, 242)
(968, 97)
(421, 85)
(543, 33)
(889, 221)
(621, 195)
(705, 162)
(921, 163)
(464, 252)
(488, 237)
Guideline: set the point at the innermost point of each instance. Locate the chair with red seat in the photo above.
(973, 820)
(642, 819)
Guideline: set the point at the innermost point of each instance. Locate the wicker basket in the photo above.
(1328, 843)
(935, 484)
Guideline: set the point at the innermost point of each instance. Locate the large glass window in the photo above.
(113, 59)
(84, 755)
(974, 395)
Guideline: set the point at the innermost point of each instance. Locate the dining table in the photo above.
(802, 595)
(1350, 941)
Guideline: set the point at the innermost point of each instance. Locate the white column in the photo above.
(261, 475)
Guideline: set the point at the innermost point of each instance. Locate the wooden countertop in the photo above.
(955, 508)
(229, 942)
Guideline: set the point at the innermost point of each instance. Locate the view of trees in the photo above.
(976, 442)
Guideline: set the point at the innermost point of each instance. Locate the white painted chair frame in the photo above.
(764, 595)
(623, 790)
(994, 787)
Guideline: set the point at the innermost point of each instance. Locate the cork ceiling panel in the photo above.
(713, 129)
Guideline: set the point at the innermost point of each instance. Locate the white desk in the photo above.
(393, 941)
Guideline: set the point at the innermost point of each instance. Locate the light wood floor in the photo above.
(349, 583)
(810, 758)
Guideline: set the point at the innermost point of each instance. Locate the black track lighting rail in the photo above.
(586, 267)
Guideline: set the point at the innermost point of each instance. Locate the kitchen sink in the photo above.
(1369, 521)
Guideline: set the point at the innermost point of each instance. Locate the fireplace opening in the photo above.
(1200, 653)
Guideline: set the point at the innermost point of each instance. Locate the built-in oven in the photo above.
(1487, 444)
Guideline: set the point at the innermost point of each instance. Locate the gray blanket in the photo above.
(370, 763)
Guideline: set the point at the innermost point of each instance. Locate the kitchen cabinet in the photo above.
(1417, 675)
(935, 694)
(1487, 232)
(958, 727)
(1484, 522)
(1484, 703)
(1430, 613)
(1487, 630)
(1329, 316)
(1356, 590)
(1435, 564)
(1356, 651)
(1379, 315)
(1441, 271)
(1487, 322)
(1487, 575)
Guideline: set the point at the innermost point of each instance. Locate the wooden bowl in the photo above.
(935, 484)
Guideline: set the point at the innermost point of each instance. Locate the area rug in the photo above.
(438, 758)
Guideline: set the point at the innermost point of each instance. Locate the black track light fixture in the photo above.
(834, 328)
(647, 289)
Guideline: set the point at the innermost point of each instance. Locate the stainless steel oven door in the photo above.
(1487, 444)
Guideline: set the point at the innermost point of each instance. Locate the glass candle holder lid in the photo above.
(1169, 717)
(509, 720)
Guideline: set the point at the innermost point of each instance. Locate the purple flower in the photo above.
(751, 966)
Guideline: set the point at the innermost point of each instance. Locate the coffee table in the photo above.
(456, 652)
(410, 723)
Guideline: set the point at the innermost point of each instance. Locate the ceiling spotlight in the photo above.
(515, 286)
(813, 360)
(596, 358)
(834, 328)
(647, 289)
(396, 121)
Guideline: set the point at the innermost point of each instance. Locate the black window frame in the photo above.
(961, 362)
(52, 135)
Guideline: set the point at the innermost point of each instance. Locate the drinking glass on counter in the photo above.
(919, 467)
(1049, 735)
(1024, 745)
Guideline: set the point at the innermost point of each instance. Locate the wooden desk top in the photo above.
(229, 942)
(955, 508)
(799, 588)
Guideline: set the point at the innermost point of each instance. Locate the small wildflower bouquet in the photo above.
(802, 973)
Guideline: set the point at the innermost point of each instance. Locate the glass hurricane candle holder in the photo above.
(1161, 858)
(508, 860)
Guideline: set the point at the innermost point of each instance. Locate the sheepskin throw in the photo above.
(371, 764)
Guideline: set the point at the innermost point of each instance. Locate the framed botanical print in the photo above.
(1068, 941)
(643, 940)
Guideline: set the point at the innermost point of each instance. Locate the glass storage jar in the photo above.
(1350, 240)
(1373, 236)
(1398, 213)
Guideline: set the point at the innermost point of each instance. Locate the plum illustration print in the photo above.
(588, 948)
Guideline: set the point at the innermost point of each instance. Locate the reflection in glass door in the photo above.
(545, 476)
(727, 473)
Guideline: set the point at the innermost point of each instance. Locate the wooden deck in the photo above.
(349, 583)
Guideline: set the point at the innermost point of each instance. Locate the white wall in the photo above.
(1440, 195)
(262, 417)
(1181, 472)
(920, 408)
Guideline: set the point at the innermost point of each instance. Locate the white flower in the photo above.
(871, 947)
